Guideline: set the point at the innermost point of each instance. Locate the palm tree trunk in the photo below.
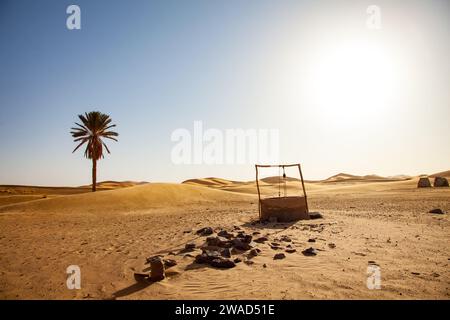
(94, 175)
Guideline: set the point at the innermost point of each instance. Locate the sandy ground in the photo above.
(110, 234)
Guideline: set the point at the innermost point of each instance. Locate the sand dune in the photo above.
(132, 199)
(110, 234)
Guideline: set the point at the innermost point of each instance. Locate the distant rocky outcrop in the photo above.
(440, 182)
(424, 182)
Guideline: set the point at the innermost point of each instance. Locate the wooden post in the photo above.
(303, 186)
(259, 195)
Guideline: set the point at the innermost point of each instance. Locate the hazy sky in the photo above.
(345, 98)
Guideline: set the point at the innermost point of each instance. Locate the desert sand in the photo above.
(110, 233)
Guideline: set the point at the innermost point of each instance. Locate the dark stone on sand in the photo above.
(331, 245)
(222, 263)
(237, 260)
(206, 231)
(240, 245)
(261, 239)
(285, 239)
(189, 246)
(225, 234)
(290, 250)
(254, 252)
(218, 242)
(157, 269)
(310, 252)
(440, 182)
(207, 256)
(436, 211)
(225, 253)
(169, 263)
(279, 256)
(311, 240)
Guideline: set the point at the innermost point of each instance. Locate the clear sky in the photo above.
(344, 97)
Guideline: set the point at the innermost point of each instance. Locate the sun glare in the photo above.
(352, 82)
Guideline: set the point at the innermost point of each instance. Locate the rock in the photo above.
(246, 238)
(290, 250)
(218, 242)
(254, 252)
(187, 231)
(311, 240)
(310, 252)
(240, 245)
(440, 182)
(149, 259)
(222, 263)
(275, 244)
(169, 263)
(207, 256)
(237, 260)
(264, 265)
(436, 211)
(424, 183)
(157, 269)
(188, 255)
(315, 215)
(331, 245)
(225, 253)
(279, 256)
(206, 231)
(255, 233)
(249, 262)
(140, 277)
(261, 239)
(225, 234)
(285, 239)
(189, 246)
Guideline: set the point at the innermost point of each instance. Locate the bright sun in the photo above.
(352, 82)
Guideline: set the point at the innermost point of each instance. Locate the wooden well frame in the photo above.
(293, 203)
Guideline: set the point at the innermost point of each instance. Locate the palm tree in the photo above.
(95, 126)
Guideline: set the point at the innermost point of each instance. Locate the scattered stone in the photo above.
(436, 211)
(264, 265)
(245, 238)
(290, 250)
(188, 255)
(225, 234)
(310, 252)
(372, 262)
(187, 231)
(206, 231)
(331, 245)
(279, 256)
(440, 182)
(189, 246)
(222, 263)
(255, 233)
(225, 253)
(207, 256)
(261, 239)
(157, 269)
(218, 242)
(249, 262)
(424, 183)
(315, 215)
(236, 228)
(149, 259)
(237, 260)
(240, 245)
(169, 263)
(415, 273)
(311, 240)
(285, 239)
(254, 252)
(140, 277)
